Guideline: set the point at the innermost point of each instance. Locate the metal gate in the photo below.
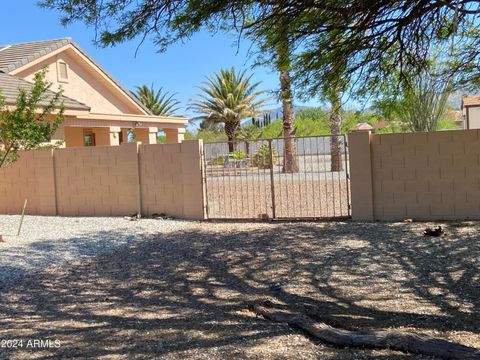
(296, 178)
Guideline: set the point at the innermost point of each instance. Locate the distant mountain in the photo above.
(278, 112)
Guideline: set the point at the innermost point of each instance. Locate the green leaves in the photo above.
(228, 97)
(36, 116)
(160, 103)
(249, 132)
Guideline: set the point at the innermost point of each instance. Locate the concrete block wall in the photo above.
(32, 178)
(171, 180)
(97, 181)
(106, 181)
(423, 176)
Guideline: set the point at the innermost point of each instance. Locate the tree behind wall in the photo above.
(419, 104)
(36, 116)
(426, 103)
(159, 102)
(275, 45)
(283, 53)
(226, 98)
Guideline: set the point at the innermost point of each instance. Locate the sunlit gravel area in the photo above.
(46, 241)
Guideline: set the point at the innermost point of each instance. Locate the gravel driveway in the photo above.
(46, 241)
(185, 294)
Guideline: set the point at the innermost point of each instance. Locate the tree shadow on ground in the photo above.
(186, 294)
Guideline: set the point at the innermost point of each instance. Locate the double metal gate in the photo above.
(296, 178)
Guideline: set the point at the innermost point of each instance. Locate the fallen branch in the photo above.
(402, 341)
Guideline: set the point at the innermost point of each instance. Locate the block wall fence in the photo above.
(422, 176)
(107, 181)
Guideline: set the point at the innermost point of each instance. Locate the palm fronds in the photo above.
(159, 102)
(227, 97)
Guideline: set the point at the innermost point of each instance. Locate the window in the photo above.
(62, 69)
(88, 138)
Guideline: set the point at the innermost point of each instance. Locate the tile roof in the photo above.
(9, 86)
(363, 126)
(16, 55)
(471, 100)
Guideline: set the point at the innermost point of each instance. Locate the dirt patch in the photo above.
(186, 295)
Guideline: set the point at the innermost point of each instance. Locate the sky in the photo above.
(178, 70)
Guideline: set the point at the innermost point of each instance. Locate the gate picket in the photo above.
(255, 182)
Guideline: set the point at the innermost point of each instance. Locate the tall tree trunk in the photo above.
(290, 162)
(335, 127)
(247, 148)
(5, 154)
(231, 128)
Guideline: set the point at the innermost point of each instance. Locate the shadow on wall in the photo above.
(176, 294)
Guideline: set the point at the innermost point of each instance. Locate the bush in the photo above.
(220, 160)
(217, 161)
(261, 157)
(237, 155)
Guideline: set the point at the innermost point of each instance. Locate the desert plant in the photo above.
(261, 157)
(228, 97)
(237, 155)
(249, 132)
(220, 160)
(159, 102)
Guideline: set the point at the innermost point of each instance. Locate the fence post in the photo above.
(192, 183)
(139, 183)
(361, 180)
(55, 191)
(272, 185)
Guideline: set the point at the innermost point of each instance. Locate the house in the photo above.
(98, 110)
(471, 112)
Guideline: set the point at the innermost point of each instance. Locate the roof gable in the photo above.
(17, 58)
(9, 89)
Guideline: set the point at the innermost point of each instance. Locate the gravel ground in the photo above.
(48, 241)
(241, 197)
(185, 294)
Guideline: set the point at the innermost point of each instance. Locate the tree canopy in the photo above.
(377, 35)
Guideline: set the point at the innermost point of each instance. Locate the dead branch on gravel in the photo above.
(395, 340)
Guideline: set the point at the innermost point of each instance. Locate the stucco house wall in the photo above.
(97, 107)
(82, 85)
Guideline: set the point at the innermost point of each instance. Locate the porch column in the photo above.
(174, 135)
(107, 136)
(125, 135)
(146, 135)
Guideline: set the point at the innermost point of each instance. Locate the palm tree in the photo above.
(247, 133)
(228, 97)
(158, 102)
